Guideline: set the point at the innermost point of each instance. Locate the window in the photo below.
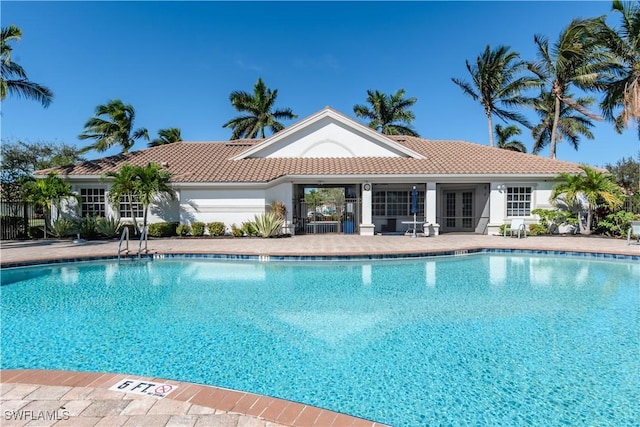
(519, 201)
(125, 208)
(395, 203)
(93, 202)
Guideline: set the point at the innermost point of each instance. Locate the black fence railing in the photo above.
(20, 220)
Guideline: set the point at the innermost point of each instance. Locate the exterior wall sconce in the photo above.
(501, 188)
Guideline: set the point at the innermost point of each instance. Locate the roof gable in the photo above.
(328, 134)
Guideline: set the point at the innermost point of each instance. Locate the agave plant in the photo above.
(108, 227)
(61, 228)
(267, 224)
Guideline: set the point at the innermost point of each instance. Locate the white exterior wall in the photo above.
(231, 206)
(281, 193)
(327, 138)
(540, 193)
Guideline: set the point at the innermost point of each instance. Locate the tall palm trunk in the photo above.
(490, 122)
(554, 128)
(133, 214)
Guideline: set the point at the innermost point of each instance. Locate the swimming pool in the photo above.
(483, 339)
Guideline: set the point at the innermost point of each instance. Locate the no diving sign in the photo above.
(146, 388)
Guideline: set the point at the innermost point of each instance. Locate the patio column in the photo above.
(430, 212)
(367, 228)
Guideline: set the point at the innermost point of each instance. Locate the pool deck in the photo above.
(46, 398)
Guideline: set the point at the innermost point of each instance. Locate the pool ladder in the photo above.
(125, 235)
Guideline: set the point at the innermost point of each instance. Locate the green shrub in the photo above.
(615, 224)
(502, 227)
(87, 227)
(163, 229)
(537, 230)
(61, 228)
(108, 227)
(197, 228)
(183, 229)
(267, 224)
(249, 229)
(216, 228)
(551, 217)
(235, 231)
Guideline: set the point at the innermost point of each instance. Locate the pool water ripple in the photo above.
(476, 340)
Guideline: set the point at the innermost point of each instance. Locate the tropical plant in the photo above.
(108, 227)
(236, 231)
(621, 102)
(13, 78)
(183, 229)
(197, 228)
(163, 229)
(388, 114)
(123, 188)
(166, 136)
(249, 228)
(152, 185)
(112, 125)
(498, 84)
(615, 224)
(267, 224)
(61, 228)
(537, 230)
(49, 193)
(87, 227)
(570, 125)
(260, 113)
(586, 191)
(504, 133)
(575, 59)
(144, 184)
(216, 228)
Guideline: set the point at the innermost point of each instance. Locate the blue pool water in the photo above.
(475, 340)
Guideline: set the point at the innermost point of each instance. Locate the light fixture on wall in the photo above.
(501, 187)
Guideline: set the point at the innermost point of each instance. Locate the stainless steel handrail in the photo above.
(143, 236)
(125, 233)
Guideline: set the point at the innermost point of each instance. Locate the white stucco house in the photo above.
(461, 186)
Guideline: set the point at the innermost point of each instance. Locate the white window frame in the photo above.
(520, 211)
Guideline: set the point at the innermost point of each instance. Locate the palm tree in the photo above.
(49, 193)
(586, 191)
(13, 78)
(575, 59)
(166, 136)
(389, 114)
(504, 133)
(570, 124)
(497, 80)
(259, 112)
(622, 92)
(115, 129)
(145, 184)
(123, 187)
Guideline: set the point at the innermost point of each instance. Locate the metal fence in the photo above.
(20, 220)
(343, 219)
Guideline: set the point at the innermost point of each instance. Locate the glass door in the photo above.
(458, 211)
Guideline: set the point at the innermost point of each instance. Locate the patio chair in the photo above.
(517, 226)
(634, 230)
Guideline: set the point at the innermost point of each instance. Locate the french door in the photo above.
(458, 212)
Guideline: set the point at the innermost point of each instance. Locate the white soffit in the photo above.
(327, 134)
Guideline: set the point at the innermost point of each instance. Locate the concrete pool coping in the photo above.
(45, 386)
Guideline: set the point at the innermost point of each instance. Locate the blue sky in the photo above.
(177, 62)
